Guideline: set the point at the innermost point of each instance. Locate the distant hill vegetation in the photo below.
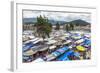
(53, 22)
(79, 22)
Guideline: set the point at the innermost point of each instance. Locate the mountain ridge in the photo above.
(77, 21)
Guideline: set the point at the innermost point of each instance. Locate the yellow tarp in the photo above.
(80, 48)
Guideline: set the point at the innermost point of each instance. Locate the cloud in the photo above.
(60, 16)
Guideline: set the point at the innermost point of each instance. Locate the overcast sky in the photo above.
(58, 15)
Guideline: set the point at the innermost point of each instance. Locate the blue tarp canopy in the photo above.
(65, 56)
(87, 42)
(28, 43)
(62, 50)
(56, 53)
(76, 34)
(27, 47)
(76, 54)
(26, 58)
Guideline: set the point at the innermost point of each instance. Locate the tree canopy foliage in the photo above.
(43, 26)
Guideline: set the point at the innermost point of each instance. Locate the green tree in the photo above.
(67, 28)
(72, 26)
(57, 26)
(43, 26)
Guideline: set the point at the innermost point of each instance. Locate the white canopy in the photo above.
(31, 36)
(76, 37)
(52, 47)
(50, 57)
(43, 49)
(38, 60)
(63, 37)
(67, 42)
(31, 40)
(66, 34)
(36, 41)
(51, 41)
(29, 52)
(79, 41)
